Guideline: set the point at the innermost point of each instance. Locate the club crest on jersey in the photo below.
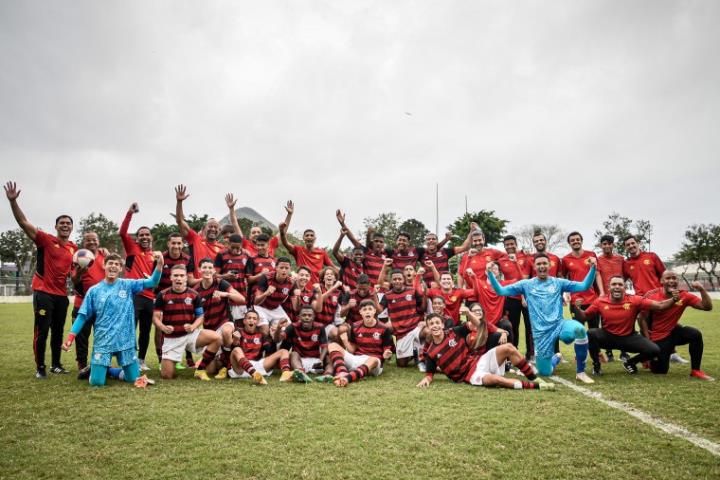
(122, 294)
(452, 343)
(272, 264)
(376, 335)
(679, 303)
(334, 299)
(256, 341)
(626, 306)
(314, 338)
(285, 291)
(606, 307)
(306, 299)
(408, 297)
(453, 298)
(488, 258)
(646, 262)
(188, 301)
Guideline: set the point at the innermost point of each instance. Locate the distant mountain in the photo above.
(252, 215)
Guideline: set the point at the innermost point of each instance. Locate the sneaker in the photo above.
(202, 375)
(222, 374)
(597, 370)
(40, 374)
(421, 367)
(341, 381)
(701, 375)
(631, 368)
(141, 382)
(675, 358)
(545, 385)
(301, 377)
(324, 378)
(286, 376)
(59, 369)
(610, 357)
(144, 367)
(583, 377)
(258, 379)
(84, 373)
(624, 357)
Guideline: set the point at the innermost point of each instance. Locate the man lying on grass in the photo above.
(448, 351)
(111, 303)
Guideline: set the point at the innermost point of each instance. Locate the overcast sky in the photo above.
(554, 112)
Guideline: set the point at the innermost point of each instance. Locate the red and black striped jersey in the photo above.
(255, 265)
(178, 309)
(170, 262)
(326, 316)
(403, 259)
(353, 315)
(373, 264)
(306, 298)
(405, 310)
(226, 262)
(215, 310)
(451, 355)
(306, 343)
(372, 341)
(350, 271)
(283, 290)
(254, 345)
(441, 260)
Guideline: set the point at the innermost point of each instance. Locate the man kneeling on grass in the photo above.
(448, 350)
(362, 349)
(254, 355)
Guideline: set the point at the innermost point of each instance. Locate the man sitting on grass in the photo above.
(308, 342)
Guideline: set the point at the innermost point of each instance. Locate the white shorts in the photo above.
(352, 362)
(174, 348)
(257, 365)
(487, 365)
(328, 329)
(219, 329)
(405, 346)
(308, 365)
(270, 316)
(237, 312)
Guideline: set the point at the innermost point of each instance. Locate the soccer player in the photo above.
(230, 266)
(515, 266)
(271, 291)
(544, 297)
(453, 297)
(477, 258)
(540, 243)
(362, 349)
(610, 265)
(303, 293)
(179, 315)
(619, 311)
(249, 244)
(352, 266)
(491, 304)
(448, 351)
(139, 263)
(405, 306)
(254, 355)
(326, 300)
(350, 300)
(49, 283)
(261, 264)
(374, 248)
(83, 279)
(309, 255)
(204, 245)
(440, 257)
(110, 302)
(216, 295)
(665, 329)
(308, 342)
(576, 266)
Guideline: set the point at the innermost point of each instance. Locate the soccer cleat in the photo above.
(701, 375)
(258, 379)
(341, 381)
(675, 358)
(624, 357)
(301, 377)
(222, 374)
(583, 377)
(202, 375)
(84, 373)
(610, 357)
(631, 368)
(545, 385)
(324, 378)
(421, 367)
(180, 366)
(286, 376)
(40, 374)
(141, 382)
(597, 370)
(58, 369)
(144, 367)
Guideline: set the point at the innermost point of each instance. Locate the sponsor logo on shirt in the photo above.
(376, 335)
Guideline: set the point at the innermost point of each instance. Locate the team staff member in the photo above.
(49, 283)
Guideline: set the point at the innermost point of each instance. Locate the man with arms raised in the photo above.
(477, 258)
(250, 244)
(49, 283)
(440, 257)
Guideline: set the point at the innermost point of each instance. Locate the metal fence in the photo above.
(11, 285)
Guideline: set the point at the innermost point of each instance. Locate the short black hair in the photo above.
(509, 237)
(282, 260)
(366, 302)
(303, 267)
(112, 256)
(64, 216)
(607, 238)
(540, 255)
(206, 260)
(305, 306)
(363, 279)
(235, 238)
(144, 227)
(308, 230)
(629, 237)
(175, 235)
(263, 237)
(397, 271)
(403, 234)
(572, 234)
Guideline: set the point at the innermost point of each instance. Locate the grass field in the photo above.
(379, 428)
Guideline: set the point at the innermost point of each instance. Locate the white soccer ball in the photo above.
(83, 257)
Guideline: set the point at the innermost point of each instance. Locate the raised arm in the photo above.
(154, 279)
(180, 196)
(289, 210)
(576, 287)
(444, 241)
(230, 201)
(12, 194)
(283, 238)
(468, 240)
(336, 248)
(508, 290)
(341, 220)
(705, 300)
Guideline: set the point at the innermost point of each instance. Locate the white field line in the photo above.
(672, 429)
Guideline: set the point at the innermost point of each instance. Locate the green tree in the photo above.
(161, 233)
(491, 225)
(416, 229)
(196, 221)
(386, 223)
(106, 229)
(620, 227)
(17, 248)
(702, 247)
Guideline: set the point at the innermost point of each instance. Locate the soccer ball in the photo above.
(83, 257)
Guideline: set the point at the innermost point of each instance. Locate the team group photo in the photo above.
(360, 241)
